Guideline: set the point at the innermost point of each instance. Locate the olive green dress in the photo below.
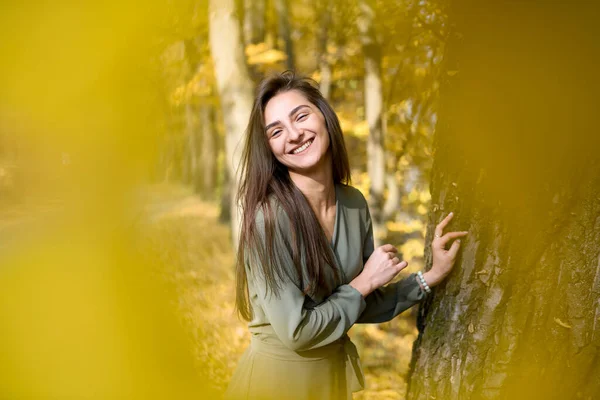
(299, 348)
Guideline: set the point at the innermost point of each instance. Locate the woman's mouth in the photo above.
(303, 147)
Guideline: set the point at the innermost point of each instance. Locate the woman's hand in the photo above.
(443, 260)
(381, 267)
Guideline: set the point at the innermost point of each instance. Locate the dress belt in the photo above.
(272, 347)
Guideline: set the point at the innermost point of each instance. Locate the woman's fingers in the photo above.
(439, 229)
(454, 248)
(399, 267)
(449, 236)
(388, 248)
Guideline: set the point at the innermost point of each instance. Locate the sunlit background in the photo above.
(116, 156)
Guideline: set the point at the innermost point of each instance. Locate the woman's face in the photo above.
(297, 133)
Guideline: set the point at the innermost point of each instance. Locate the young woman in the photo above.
(307, 269)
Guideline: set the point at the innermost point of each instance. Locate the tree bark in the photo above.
(374, 113)
(519, 316)
(235, 90)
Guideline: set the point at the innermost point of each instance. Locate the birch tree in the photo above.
(235, 90)
(373, 111)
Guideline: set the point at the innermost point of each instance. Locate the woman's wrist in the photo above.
(361, 285)
(432, 278)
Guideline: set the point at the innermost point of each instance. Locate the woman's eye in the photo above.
(276, 132)
(302, 117)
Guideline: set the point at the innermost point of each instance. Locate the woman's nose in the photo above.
(294, 134)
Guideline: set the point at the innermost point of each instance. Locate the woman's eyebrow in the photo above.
(272, 124)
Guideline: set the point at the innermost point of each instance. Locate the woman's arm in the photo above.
(297, 327)
(387, 302)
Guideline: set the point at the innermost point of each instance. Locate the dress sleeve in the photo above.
(300, 328)
(387, 302)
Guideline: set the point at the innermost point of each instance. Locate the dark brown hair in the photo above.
(263, 177)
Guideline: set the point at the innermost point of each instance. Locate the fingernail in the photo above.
(451, 213)
(458, 240)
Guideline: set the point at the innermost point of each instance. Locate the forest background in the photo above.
(119, 135)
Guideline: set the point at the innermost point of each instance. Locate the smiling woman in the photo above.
(307, 269)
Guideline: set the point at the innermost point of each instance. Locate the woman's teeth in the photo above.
(303, 147)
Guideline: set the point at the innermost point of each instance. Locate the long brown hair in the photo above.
(264, 177)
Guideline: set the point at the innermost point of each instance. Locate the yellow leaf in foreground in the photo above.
(563, 324)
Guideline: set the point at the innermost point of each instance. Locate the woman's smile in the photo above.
(303, 147)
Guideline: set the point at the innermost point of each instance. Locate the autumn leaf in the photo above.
(563, 324)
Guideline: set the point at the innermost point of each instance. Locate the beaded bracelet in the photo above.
(423, 283)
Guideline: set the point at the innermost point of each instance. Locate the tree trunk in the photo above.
(208, 154)
(190, 157)
(235, 90)
(519, 317)
(373, 111)
(285, 33)
(392, 203)
(254, 21)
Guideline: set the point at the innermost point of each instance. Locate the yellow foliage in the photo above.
(412, 248)
(346, 124)
(420, 71)
(421, 209)
(406, 227)
(361, 129)
(361, 181)
(271, 56)
(198, 86)
(413, 195)
(255, 49)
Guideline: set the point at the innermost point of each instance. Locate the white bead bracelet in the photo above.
(423, 283)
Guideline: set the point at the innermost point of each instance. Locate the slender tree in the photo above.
(285, 33)
(207, 175)
(234, 87)
(254, 21)
(374, 112)
(324, 37)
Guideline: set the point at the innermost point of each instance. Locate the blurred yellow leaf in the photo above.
(267, 57)
(255, 49)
